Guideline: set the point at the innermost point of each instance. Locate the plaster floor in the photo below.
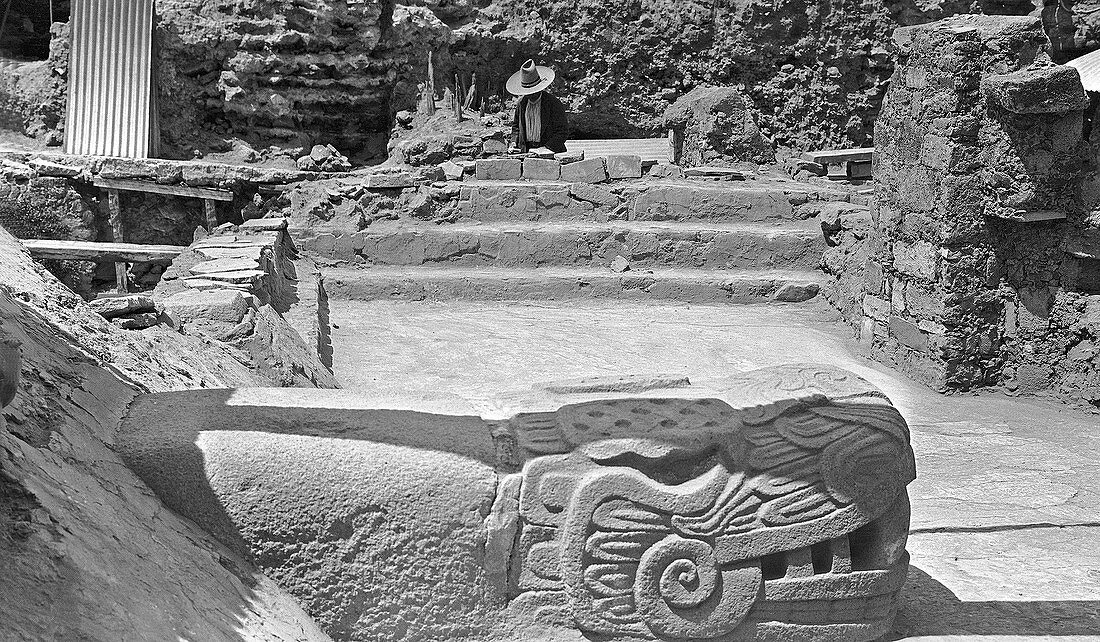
(1005, 534)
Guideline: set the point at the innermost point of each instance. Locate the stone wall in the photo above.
(980, 257)
(279, 72)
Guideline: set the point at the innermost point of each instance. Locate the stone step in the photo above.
(637, 200)
(644, 244)
(509, 284)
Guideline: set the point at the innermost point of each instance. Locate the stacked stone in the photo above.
(571, 167)
(226, 277)
(977, 128)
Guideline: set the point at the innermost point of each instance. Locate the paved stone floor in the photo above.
(1005, 536)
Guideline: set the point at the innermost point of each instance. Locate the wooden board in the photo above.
(156, 188)
(101, 252)
(650, 149)
(829, 156)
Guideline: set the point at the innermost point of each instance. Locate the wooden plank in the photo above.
(156, 188)
(829, 156)
(646, 148)
(102, 252)
(211, 214)
(122, 277)
(115, 210)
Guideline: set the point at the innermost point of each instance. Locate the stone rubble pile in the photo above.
(324, 158)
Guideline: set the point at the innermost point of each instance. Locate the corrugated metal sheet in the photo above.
(1088, 66)
(110, 78)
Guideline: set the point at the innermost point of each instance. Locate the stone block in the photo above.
(593, 194)
(541, 169)
(591, 170)
(498, 169)
(493, 147)
(1040, 89)
(897, 295)
(278, 223)
(876, 307)
(917, 259)
(391, 180)
(232, 264)
(222, 305)
(908, 334)
(872, 277)
(623, 166)
(451, 171)
(115, 306)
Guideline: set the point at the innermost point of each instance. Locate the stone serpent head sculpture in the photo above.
(773, 507)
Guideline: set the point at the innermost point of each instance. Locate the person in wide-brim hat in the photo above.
(540, 119)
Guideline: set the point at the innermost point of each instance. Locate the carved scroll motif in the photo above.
(690, 519)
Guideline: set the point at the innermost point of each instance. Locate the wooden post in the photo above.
(115, 218)
(211, 214)
(471, 93)
(431, 85)
(458, 99)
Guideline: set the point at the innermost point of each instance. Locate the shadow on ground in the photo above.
(929, 608)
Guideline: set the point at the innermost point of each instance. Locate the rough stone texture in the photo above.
(713, 125)
(498, 169)
(1044, 89)
(817, 77)
(582, 523)
(541, 169)
(90, 552)
(977, 134)
(32, 93)
(274, 72)
(591, 170)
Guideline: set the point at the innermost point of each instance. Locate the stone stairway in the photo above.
(681, 240)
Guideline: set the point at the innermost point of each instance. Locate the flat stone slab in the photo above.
(226, 306)
(264, 224)
(224, 265)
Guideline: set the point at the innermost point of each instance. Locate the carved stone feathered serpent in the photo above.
(774, 504)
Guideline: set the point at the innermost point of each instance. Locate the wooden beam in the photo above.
(830, 156)
(115, 211)
(102, 252)
(211, 214)
(156, 188)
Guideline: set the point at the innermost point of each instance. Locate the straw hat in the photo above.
(530, 79)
